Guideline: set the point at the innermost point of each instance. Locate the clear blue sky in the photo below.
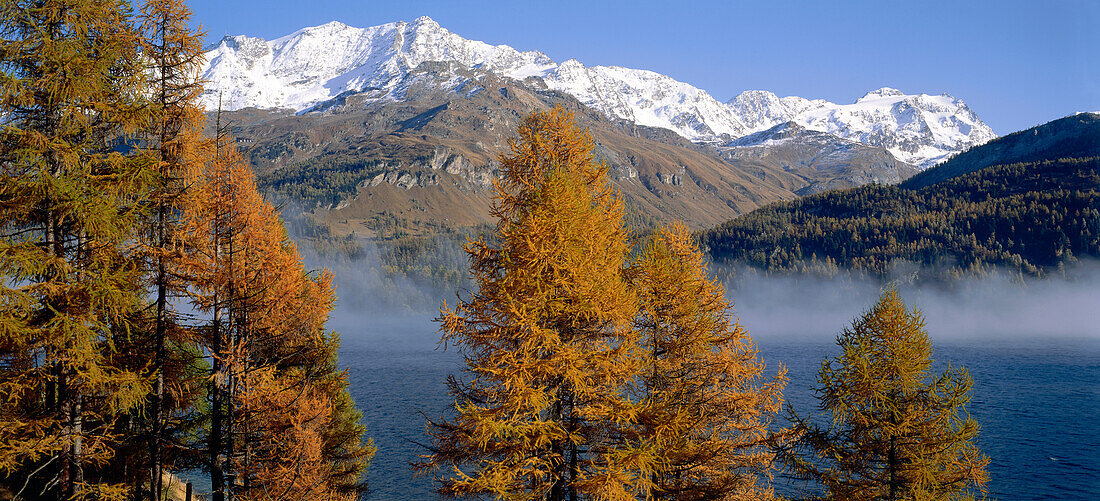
(1016, 63)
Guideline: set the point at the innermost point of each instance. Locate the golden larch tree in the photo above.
(546, 333)
(71, 199)
(897, 431)
(111, 202)
(205, 233)
(172, 52)
(281, 420)
(708, 406)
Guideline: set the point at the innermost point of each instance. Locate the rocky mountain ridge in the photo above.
(824, 161)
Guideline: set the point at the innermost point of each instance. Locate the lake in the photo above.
(1036, 398)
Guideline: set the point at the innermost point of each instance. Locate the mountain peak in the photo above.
(425, 22)
(323, 29)
(320, 32)
(760, 109)
(755, 95)
(881, 92)
(776, 133)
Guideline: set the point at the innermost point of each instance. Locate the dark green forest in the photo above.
(1028, 217)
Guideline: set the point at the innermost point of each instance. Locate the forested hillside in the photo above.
(1032, 217)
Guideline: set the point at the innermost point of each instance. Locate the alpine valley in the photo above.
(402, 124)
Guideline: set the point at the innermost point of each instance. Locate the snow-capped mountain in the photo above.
(918, 129)
(318, 64)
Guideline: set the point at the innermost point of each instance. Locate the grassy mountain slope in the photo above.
(424, 157)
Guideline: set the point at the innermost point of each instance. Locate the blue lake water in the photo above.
(1038, 401)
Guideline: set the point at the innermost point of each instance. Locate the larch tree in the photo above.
(546, 334)
(226, 241)
(112, 204)
(172, 51)
(205, 233)
(897, 431)
(71, 199)
(708, 406)
(281, 423)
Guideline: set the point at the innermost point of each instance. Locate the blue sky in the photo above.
(1016, 63)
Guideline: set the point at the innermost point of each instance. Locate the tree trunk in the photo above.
(217, 425)
(557, 449)
(217, 478)
(77, 475)
(71, 474)
(230, 371)
(892, 464)
(156, 445)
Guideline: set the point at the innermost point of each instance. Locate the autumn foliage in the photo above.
(174, 146)
(273, 382)
(547, 333)
(707, 404)
(119, 220)
(155, 317)
(564, 394)
(69, 204)
(897, 431)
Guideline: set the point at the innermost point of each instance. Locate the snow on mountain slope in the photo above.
(317, 64)
(921, 130)
(824, 160)
(646, 98)
(917, 129)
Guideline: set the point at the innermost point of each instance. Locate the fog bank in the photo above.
(996, 306)
(375, 304)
